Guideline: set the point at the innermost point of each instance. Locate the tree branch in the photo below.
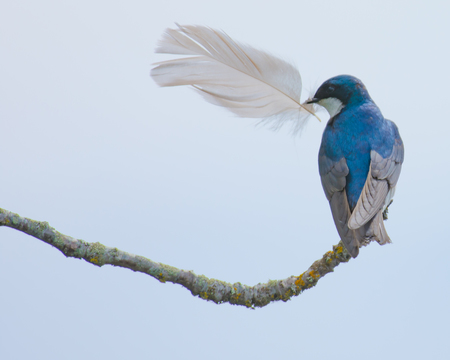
(208, 289)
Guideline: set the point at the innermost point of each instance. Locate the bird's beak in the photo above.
(312, 101)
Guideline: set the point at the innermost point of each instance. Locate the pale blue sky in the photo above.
(91, 145)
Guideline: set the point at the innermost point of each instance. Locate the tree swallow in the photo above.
(360, 160)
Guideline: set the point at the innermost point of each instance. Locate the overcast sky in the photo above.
(90, 144)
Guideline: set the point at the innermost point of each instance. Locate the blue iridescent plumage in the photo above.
(360, 160)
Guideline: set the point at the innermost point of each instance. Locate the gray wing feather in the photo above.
(341, 213)
(333, 181)
(332, 175)
(382, 177)
(370, 201)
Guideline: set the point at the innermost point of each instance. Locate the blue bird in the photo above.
(361, 154)
(360, 160)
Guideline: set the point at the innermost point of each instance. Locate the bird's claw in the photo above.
(385, 212)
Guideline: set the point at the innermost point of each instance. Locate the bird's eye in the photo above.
(330, 89)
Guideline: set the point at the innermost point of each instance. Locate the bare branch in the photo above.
(208, 289)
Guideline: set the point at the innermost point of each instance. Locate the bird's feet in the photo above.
(385, 212)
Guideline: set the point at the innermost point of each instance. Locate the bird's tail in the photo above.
(353, 239)
(374, 230)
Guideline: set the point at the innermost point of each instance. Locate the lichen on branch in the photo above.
(208, 289)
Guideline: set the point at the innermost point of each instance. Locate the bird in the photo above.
(361, 153)
(360, 160)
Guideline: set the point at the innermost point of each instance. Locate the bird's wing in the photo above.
(382, 178)
(333, 175)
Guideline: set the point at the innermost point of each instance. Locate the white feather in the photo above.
(249, 82)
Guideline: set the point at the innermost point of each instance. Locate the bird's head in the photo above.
(338, 92)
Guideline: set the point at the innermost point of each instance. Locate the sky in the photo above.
(93, 146)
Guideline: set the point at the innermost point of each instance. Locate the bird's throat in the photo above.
(333, 106)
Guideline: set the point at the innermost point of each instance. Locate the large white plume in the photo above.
(249, 82)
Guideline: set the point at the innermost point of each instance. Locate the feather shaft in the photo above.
(246, 81)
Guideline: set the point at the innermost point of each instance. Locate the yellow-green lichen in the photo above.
(329, 256)
(43, 225)
(287, 295)
(235, 295)
(96, 253)
(299, 282)
(161, 277)
(313, 276)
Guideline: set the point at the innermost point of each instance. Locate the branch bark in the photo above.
(208, 289)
